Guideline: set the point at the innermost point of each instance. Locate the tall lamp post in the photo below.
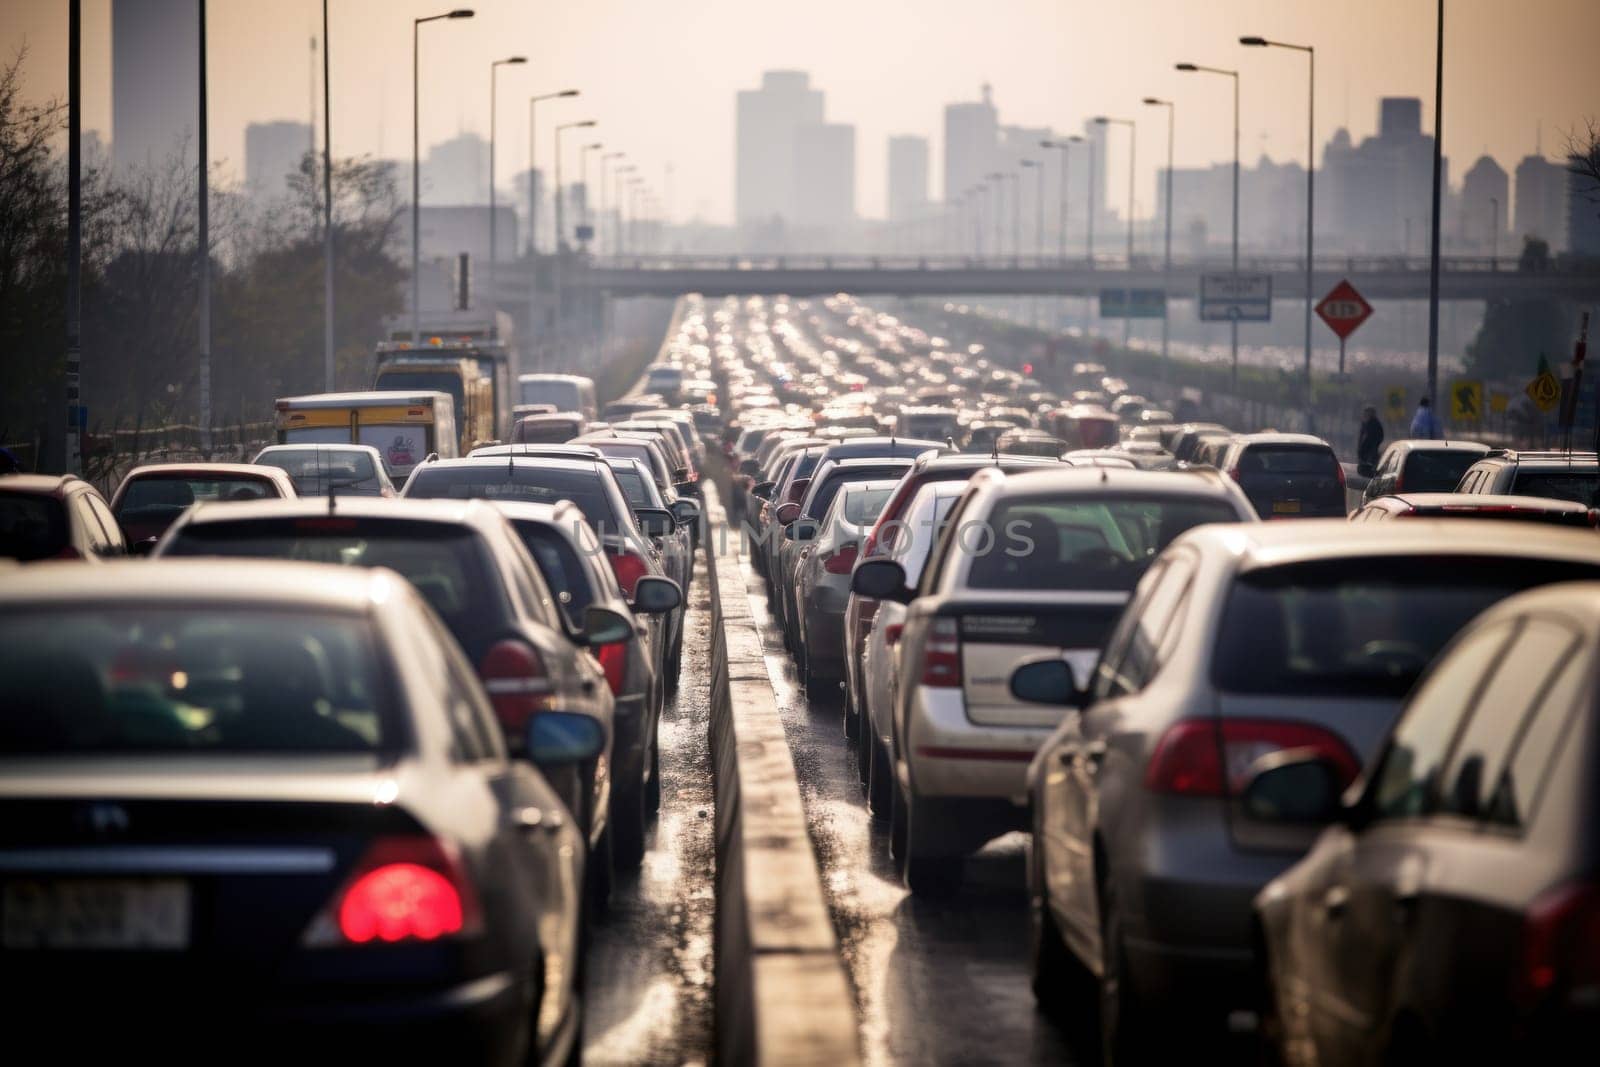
(1166, 262)
(327, 214)
(619, 234)
(1065, 146)
(1233, 324)
(979, 193)
(583, 166)
(1494, 230)
(416, 172)
(494, 292)
(998, 180)
(1438, 193)
(1038, 204)
(1133, 148)
(1311, 190)
(605, 183)
(561, 234)
(533, 193)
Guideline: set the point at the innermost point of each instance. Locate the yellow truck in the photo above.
(473, 370)
(405, 427)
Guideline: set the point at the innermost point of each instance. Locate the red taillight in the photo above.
(842, 560)
(629, 567)
(941, 654)
(1560, 944)
(1338, 470)
(1213, 757)
(614, 659)
(402, 889)
(1399, 482)
(514, 676)
(891, 633)
(1233, 472)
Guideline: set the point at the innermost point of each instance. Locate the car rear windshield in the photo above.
(314, 471)
(1361, 626)
(839, 479)
(639, 490)
(933, 427)
(862, 507)
(161, 493)
(564, 571)
(31, 527)
(564, 395)
(1042, 542)
(1435, 471)
(1582, 487)
(165, 679)
(444, 561)
(1287, 459)
(525, 481)
(545, 431)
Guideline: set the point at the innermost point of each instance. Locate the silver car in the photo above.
(1240, 642)
(822, 578)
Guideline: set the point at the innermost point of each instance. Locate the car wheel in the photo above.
(598, 877)
(931, 877)
(852, 716)
(652, 796)
(1122, 1034)
(897, 822)
(880, 780)
(627, 827)
(863, 749)
(1060, 983)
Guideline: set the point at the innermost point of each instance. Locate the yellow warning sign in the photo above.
(1498, 402)
(1466, 400)
(1545, 392)
(1395, 401)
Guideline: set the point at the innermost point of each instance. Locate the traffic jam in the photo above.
(351, 745)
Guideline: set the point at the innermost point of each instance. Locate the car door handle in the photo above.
(1335, 901)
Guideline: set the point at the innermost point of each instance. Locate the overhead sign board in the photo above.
(1344, 309)
(1235, 297)
(1133, 303)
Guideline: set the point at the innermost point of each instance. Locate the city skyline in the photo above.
(1037, 55)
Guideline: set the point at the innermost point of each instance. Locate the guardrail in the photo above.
(1350, 264)
(781, 994)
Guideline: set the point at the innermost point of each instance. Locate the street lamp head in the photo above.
(585, 123)
(1047, 144)
(1101, 120)
(1029, 162)
(1155, 102)
(460, 13)
(567, 92)
(1253, 42)
(1187, 68)
(515, 59)
(1075, 139)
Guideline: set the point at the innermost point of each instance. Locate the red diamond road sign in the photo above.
(1344, 309)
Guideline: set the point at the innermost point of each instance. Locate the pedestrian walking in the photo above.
(1369, 441)
(1425, 424)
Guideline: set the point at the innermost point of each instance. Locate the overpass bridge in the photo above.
(1378, 278)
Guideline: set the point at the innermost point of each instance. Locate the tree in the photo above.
(1516, 331)
(1583, 160)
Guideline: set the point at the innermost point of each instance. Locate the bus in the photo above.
(405, 427)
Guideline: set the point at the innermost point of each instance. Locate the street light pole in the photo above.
(1038, 204)
(605, 182)
(1166, 263)
(494, 293)
(561, 235)
(1233, 323)
(583, 166)
(533, 192)
(1133, 146)
(416, 173)
(1438, 192)
(1015, 178)
(1311, 196)
(1089, 232)
(998, 180)
(1065, 147)
(327, 214)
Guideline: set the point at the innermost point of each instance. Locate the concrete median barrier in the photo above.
(782, 996)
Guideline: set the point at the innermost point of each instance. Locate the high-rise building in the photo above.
(1371, 195)
(908, 178)
(825, 175)
(1541, 193)
(155, 76)
(1583, 212)
(971, 138)
(457, 171)
(765, 166)
(1484, 204)
(272, 151)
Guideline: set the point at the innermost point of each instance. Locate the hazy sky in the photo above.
(661, 76)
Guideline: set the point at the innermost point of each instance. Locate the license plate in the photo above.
(95, 914)
(1286, 507)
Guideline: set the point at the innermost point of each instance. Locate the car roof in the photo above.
(978, 461)
(533, 450)
(318, 446)
(1424, 444)
(860, 462)
(468, 512)
(1478, 501)
(556, 462)
(544, 376)
(253, 470)
(264, 582)
(1053, 477)
(1541, 458)
(1249, 439)
(1576, 600)
(38, 484)
(1261, 544)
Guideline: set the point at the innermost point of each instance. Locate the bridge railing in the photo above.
(1109, 262)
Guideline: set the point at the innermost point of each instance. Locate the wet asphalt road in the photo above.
(935, 983)
(648, 988)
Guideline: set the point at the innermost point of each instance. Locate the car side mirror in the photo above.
(801, 530)
(1294, 785)
(880, 579)
(686, 488)
(749, 466)
(1048, 681)
(602, 626)
(797, 489)
(787, 513)
(558, 737)
(142, 548)
(684, 511)
(655, 522)
(763, 490)
(654, 595)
